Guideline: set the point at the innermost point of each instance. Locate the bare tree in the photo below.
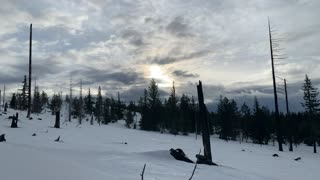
(274, 54)
(30, 72)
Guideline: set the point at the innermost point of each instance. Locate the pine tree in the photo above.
(56, 103)
(144, 111)
(227, 114)
(311, 104)
(88, 103)
(36, 101)
(245, 121)
(172, 119)
(13, 101)
(98, 107)
(113, 110)
(129, 114)
(44, 99)
(185, 114)
(75, 111)
(106, 111)
(24, 95)
(260, 126)
(119, 108)
(154, 105)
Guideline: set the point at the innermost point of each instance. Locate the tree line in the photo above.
(255, 124)
(179, 115)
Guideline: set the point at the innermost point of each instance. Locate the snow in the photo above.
(99, 152)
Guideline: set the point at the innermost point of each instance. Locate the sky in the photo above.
(121, 44)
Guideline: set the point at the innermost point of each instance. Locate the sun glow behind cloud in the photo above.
(156, 72)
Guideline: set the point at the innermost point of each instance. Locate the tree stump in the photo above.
(2, 138)
(57, 123)
(14, 122)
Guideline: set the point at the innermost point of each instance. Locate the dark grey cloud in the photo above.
(97, 76)
(179, 27)
(134, 37)
(185, 74)
(177, 58)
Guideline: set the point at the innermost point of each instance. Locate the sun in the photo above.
(158, 74)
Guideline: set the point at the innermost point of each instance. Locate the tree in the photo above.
(98, 107)
(119, 107)
(172, 119)
(13, 101)
(88, 103)
(155, 106)
(106, 111)
(245, 121)
(56, 102)
(227, 114)
(261, 116)
(44, 99)
(311, 104)
(186, 114)
(24, 95)
(36, 101)
(129, 114)
(75, 107)
(144, 111)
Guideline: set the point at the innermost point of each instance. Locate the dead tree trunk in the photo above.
(279, 131)
(5, 107)
(205, 127)
(14, 122)
(57, 124)
(30, 70)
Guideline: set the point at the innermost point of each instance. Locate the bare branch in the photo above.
(195, 167)
(144, 167)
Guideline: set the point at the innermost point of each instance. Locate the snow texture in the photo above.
(114, 152)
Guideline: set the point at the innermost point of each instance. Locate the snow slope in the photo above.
(99, 152)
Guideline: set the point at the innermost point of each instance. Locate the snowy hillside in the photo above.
(92, 152)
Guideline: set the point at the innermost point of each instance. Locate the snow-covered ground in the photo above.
(92, 152)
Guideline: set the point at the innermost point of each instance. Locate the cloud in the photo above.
(186, 74)
(173, 59)
(179, 27)
(97, 76)
(113, 43)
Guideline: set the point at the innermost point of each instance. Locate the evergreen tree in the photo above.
(154, 105)
(129, 114)
(36, 101)
(24, 95)
(98, 107)
(56, 103)
(261, 116)
(13, 101)
(119, 107)
(44, 99)
(106, 111)
(172, 119)
(245, 121)
(76, 107)
(185, 114)
(88, 103)
(144, 111)
(227, 114)
(113, 110)
(311, 104)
